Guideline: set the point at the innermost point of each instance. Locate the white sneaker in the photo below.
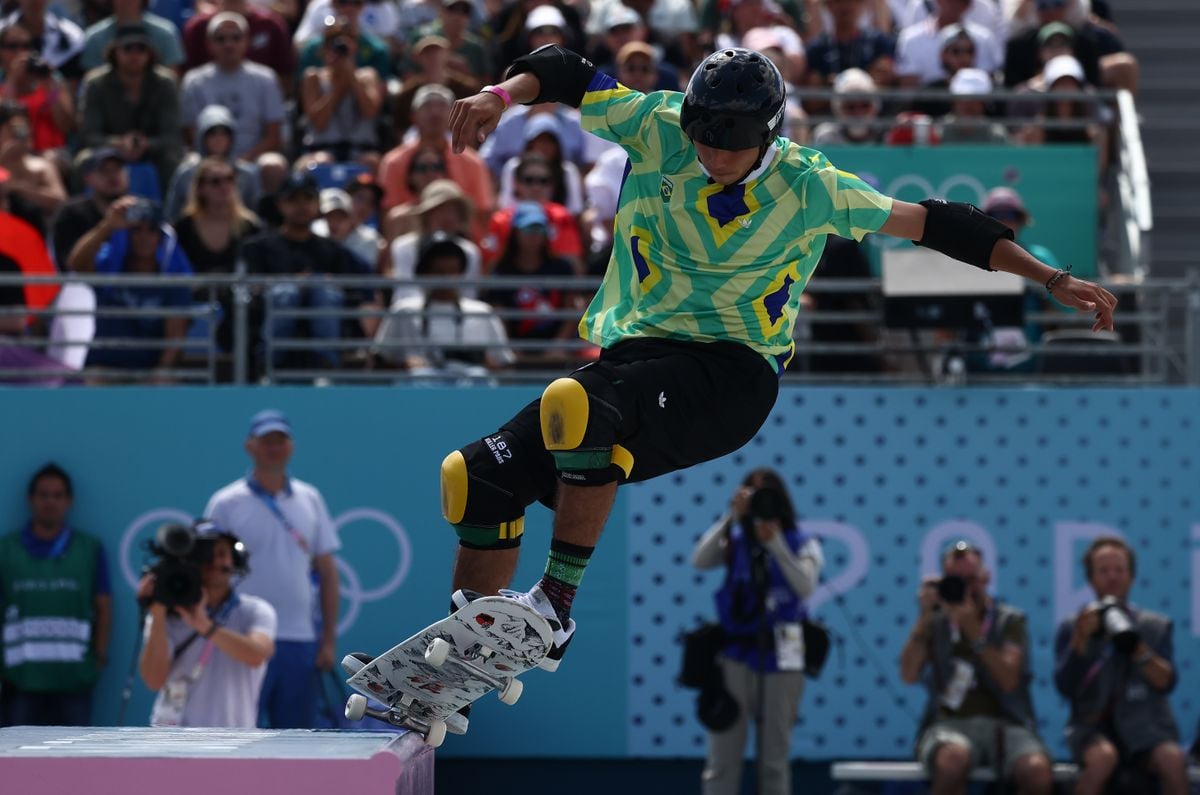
(537, 600)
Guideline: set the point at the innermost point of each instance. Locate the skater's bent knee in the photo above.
(579, 420)
(485, 488)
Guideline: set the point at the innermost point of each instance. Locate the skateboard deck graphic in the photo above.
(492, 638)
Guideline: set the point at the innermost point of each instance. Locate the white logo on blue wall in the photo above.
(352, 591)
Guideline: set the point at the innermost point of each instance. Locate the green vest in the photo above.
(48, 612)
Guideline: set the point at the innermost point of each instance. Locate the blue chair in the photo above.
(335, 175)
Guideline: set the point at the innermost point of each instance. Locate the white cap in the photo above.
(970, 81)
(854, 81)
(431, 91)
(546, 17)
(621, 15)
(227, 16)
(1061, 66)
(335, 199)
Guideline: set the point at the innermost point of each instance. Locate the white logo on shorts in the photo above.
(662, 400)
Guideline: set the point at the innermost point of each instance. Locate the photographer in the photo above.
(1113, 663)
(207, 647)
(972, 653)
(771, 567)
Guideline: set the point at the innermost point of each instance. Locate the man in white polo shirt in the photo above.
(286, 528)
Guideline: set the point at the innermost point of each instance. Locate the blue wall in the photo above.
(885, 476)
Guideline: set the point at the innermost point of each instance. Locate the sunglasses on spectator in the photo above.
(639, 68)
(228, 38)
(532, 180)
(533, 229)
(428, 168)
(221, 179)
(1051, 3)
(460, 8)
(960, 51)
(135, 46)
(17, 45)
(856, 107)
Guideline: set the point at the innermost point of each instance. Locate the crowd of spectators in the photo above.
(154, 138)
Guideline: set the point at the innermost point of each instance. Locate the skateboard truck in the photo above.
(438, 654)
(434, 730)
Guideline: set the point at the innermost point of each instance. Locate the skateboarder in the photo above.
(720, 224)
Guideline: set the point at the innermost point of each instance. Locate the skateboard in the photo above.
(428, 678)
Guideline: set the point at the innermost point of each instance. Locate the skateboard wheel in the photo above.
(356, 706)
(436, 734)
(511, 691)
(437, 652)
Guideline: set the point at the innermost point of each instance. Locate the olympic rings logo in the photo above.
(352, 590)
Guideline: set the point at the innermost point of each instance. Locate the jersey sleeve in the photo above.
(836, 202)
(626, 117)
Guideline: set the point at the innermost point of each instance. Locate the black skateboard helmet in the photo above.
(734, 100)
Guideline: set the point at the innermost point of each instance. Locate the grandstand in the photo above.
(209, 209)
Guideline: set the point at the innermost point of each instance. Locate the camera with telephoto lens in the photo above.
(177, 579)
(1116, 624)
(767, 504)
(340, 47)
(952, 589)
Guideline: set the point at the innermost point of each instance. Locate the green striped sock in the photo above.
(564, 571)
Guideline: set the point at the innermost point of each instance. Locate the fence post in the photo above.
(241, 327)
(1191, 342)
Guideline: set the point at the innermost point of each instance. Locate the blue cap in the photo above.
(529, 214)
(269, 421)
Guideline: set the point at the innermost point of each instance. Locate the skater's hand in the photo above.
(1088, 297)
(473, 119)
(325, 656)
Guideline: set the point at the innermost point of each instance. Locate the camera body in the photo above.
(952, 589)
(340, 47)
(768, 504)
(141, 212)
(1117, 626)
(177, 578)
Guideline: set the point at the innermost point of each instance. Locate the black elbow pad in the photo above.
(962, 231)
(564, 75)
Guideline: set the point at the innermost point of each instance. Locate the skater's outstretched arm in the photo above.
(966, 234)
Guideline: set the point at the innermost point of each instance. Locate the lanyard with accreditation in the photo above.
(269, 500)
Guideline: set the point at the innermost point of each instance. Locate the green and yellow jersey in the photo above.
(694, 260)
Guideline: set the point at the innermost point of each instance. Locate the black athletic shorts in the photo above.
(681, 403)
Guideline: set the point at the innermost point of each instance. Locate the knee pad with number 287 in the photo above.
(580, 419)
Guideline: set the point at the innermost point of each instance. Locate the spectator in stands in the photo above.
(105, 180)
(625, 26)
(380, 19)
(443, 332)
(533, 181)
(770, 42)
(850, 45)
(32, 179)
(508, 140)
(338, 223)
(918, 50)
(48, 101)
(764, 16)
(132, 239)
(985, 13)
(1065, 74)
(294, 250)
(967, 122)
(265, 35)
(672, 22)
(207, 660)
(431, 118)
(1098, 50)
(162, 36)
(15, 353)
(512, 27)
(370, 51)
(431, 65)
(132, 103)
(249, 90)
(57, 619)
(957, 51)
(771, 567)
(367, 198)
(56, 39)
(468, 54)
(341, 104)
(637, 67)
(543, 136)
(285, 525)
(972, 652)
(215, 129)
(527, 254)
(444, 209)
(1114, 663)
(856, 107)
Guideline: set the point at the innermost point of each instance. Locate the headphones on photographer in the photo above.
(207, 532)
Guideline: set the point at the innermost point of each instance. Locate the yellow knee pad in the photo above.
(454, 487)
(564, 414)
(454, 480)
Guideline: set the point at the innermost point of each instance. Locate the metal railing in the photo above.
(1158, 323)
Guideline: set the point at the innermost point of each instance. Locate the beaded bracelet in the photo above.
(1058, 276)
